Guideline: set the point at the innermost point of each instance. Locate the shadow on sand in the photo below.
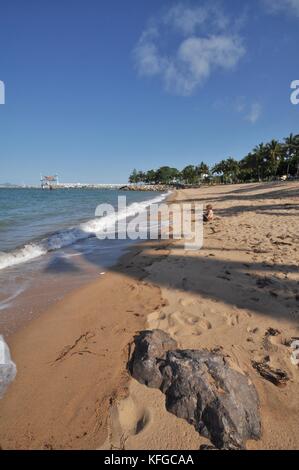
(251, 285)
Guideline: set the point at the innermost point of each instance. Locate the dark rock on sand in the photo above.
(146, 187)
(200, 387)
(276, 376)
(272, 332)
(150, 349)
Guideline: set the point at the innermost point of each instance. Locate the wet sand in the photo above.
(71, 362)
(72, 389)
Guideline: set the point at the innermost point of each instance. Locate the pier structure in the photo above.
(49, 182)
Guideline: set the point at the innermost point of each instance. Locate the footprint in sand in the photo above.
(186, 302)
(252, 330)
(174, 333)
(191, 320)
(127, 418)
(154, 320)
(132, 418)
(156, 316)
(232, 319)
(176, 319)
(204, 324)
(196, 332)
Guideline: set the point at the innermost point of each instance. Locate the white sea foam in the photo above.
(8, 301)
(27, 253)
(8, 368)
(72, 235)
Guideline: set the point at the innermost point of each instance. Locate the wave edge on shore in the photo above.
(71, 235)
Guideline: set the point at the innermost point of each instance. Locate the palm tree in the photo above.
(271, 159)
(292, 150)
(232, 168)
(259, 153)
(134, 177)
(150, 176)
(219, 169)
(228, 169)
(189, 174)
(274, 153)
(202, 169)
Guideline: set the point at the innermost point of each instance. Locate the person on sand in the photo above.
(209, 214)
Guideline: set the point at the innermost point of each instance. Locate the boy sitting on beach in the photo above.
(209, 214)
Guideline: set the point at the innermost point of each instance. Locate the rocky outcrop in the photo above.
(150, 349)
(147, 187)
(200, 387)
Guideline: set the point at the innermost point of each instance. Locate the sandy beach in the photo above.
(72, 389)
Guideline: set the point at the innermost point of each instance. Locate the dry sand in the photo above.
(71, 363)
(72, 390)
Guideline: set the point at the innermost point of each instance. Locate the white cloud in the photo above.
(288, 6)
(147, 54)
(185, 19)
(254, 113)
(203, 44)
(249, 110)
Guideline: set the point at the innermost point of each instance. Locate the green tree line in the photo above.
(266, 162)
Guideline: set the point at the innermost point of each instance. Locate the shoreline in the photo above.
(77, 259)
(61, 395)
(38, 333)
(75, 394)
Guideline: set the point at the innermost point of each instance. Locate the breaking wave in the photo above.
(71, 235)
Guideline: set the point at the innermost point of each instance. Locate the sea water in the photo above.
(49, 244)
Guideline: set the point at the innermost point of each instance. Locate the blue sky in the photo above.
(95, 88)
